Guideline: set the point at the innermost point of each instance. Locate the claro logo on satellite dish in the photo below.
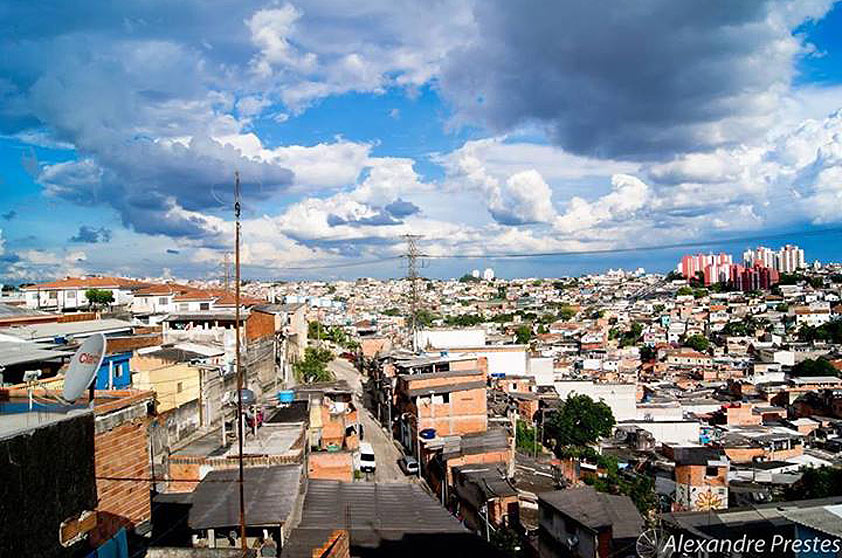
(89, 358)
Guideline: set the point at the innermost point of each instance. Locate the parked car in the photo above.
(368, 464)
(408, 464)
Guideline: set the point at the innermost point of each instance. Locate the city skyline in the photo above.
(351, 126)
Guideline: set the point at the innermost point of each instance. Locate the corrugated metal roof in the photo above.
(9, 311)
(270, 494)
(826, 519)
(48, 331)
(446, 389)
(20, 353)
(491, 440)
(597, 510)
(375, 506)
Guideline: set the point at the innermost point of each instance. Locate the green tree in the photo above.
(566, 313)
(464, 320)
(580, 421)
(684, 291)
(821, 482)
(697, 343)
(425, 318)
(468, 278)
(507, 540)
(632, 335)
(526, 439)
(523, 335)
(830, 332)
(313, 368)
(648, 353)
(698, 280)
(673, 276)
(814, 367)
(99, 297)
(315, 330)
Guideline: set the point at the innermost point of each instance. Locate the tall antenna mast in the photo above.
(243, 542)
(412, 255)
(226, 272)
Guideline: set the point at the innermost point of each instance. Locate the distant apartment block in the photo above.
(788, 259)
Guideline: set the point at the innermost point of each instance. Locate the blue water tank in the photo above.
(428, 433)
(286, 396)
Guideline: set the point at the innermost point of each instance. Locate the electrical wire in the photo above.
(675, 245)
(565, 253)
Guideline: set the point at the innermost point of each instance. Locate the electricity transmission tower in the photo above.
(412, 265)
(226, 270)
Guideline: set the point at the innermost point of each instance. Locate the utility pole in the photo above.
(243, 542)
(412, 255)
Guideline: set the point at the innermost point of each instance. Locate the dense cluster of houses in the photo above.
(720, 400)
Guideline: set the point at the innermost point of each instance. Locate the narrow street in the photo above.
(385, 451)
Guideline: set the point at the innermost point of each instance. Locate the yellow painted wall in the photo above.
(174, 383)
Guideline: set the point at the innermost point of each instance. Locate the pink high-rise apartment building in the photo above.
(691, 265)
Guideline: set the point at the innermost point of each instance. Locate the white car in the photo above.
(367, 462)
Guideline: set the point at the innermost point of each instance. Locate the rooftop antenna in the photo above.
(83, 367)
(243, 542)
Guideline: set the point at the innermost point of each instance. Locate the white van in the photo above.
(367, 463)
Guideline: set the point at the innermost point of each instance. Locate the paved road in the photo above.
(384, 449)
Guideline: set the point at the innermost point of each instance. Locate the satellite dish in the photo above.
(83, 367)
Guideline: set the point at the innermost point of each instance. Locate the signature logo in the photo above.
(652, 544)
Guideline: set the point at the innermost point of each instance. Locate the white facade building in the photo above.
(622, 398)
(447, 338)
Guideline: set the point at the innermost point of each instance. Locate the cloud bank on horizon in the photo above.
(486, 127)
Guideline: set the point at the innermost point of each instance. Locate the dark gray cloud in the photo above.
(401, 208)
(91, 235)
(140, 109)
(9, 215)
(171, 251)
(633, 79)
(379, 219)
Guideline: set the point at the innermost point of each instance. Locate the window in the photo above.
(52, 295)
(179, 387)
(71, 294)
(711, 471)
(183, 307)
(204, 306)
(162, 300)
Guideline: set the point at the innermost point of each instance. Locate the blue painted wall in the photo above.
(115, 366)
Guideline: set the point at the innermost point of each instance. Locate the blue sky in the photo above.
(486, 127)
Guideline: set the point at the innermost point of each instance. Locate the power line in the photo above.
(654, 247)
(330, 265)
(562, 253)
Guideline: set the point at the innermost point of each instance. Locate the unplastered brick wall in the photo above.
(122, 467)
